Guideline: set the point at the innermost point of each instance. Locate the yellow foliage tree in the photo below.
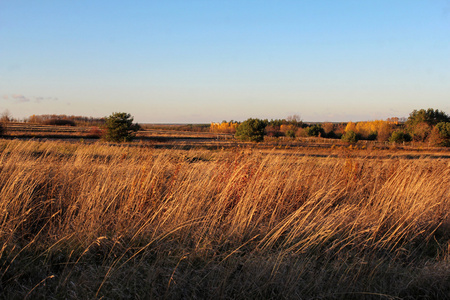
(224, 127)
(350, 127)
(379, 127)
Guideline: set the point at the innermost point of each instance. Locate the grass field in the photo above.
(84, 221)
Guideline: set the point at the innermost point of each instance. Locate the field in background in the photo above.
(93, 220)
(148, 133)
(197, 136)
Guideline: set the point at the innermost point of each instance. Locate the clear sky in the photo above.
(201, 61)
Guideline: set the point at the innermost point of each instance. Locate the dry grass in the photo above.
(87, 221)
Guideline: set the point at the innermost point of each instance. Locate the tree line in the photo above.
(65, 120)
(430, 126)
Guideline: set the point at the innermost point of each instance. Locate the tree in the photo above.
(350, 137)
(6, 117)
(315, 130)
(328, 127)
(225, 127)
(350, 127)
(120, 128)
(429, 116)
(442, 131)
(273, 131)
(295, 120)
(420, 131)
(251, 130)
(399, 136)
(288, 130)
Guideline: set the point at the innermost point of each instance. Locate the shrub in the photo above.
(96, 132)
(301, 132)
(339, 130)
(420, 131)
(372, 136)
(331, 135)
(383, 133)
(59, 122)
(440, 135)
(251, 130)
(290, 133)
(399, 136)
(315, 130)
(328, 127)
(350, 137)
(273, 131)
(288, 130)
(120, 128)
(444, 129)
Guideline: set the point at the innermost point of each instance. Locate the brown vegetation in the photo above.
(92, 221)
(65, 120)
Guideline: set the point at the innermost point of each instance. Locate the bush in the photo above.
(59, 122)
(290, 134)
(273, 131)
(120, 128)
(251, 130)
(399, 136)
(315, 130)
(420, 132)
(96, 132)
(383, 133)
(328, 127)
(331, 135)
(288, 130)
(372, 136)
(350, 137)
(301, 132)
(442, 134)
(444, 129)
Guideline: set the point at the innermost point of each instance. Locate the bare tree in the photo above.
(6, 117)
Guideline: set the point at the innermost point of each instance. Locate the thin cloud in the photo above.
(20, 98)
(40, 99)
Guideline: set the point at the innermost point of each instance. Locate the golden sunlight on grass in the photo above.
(101, 221)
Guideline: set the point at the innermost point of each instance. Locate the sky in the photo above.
(201, 61)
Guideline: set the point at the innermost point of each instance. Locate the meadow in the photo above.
(98, 220)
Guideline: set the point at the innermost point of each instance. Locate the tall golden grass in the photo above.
(87, 221)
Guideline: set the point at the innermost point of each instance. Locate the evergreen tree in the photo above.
(251, 130)
(120, 128)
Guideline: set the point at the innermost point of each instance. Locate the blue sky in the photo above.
(202, 61)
